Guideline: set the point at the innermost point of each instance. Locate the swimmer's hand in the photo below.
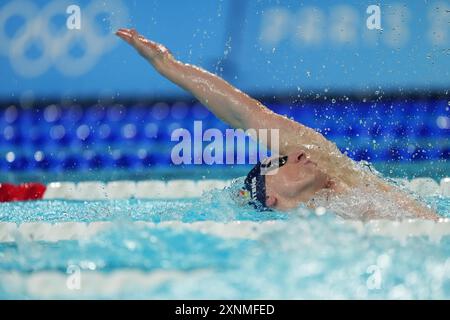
(154, 52)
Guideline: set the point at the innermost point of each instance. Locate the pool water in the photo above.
(209, 247)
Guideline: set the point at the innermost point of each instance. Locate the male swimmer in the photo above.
(311, 171)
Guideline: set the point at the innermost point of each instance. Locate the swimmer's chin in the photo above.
(311, 163)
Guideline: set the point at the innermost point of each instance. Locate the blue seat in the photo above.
(73, 162)
(161, 158)
(152, 132)
(401, 130)
(364, 154)
(420, 154)
(116, 113)
(179, 111)
(37, 116)
(92, 115)
(377, 130)
(353, 130)
(137, 113)
(74, 113)
(99, 161)
(444, 153)
(47, 163)
(11, 135)
(147, 160)
(34, 136)
(126, 161)
(303, 114)
(331, 130)
(441, 107)
(10, 115)
(200, 112)
(20, 163)
(114, 135)
(424, 131)
(442, 132)
(394, 154)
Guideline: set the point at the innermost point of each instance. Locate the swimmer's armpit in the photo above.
(420, 210)
(407, 202)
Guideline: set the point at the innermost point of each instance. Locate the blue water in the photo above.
(310, 256)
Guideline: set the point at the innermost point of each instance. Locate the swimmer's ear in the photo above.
(271, 201)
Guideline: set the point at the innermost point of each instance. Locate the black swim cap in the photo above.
(255, 183)
(255, 188)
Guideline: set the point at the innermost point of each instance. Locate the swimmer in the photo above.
(310, 169)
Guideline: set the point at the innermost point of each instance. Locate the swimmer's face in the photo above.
(295, 180)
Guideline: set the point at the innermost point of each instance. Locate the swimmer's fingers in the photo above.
(132, 38)
(127, 35)
(147, 48)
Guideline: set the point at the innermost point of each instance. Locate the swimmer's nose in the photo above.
(297, 156)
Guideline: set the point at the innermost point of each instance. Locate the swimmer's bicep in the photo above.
(291, 134)
(295, 136)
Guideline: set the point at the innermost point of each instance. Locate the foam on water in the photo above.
(314, 257)
(211, 247)
(368, 201)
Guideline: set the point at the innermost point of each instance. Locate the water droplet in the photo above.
(320, 211)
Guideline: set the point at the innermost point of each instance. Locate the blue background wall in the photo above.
(260, 46)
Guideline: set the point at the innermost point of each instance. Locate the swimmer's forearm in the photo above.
(225, 101)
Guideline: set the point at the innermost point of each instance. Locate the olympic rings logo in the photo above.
(56, 43)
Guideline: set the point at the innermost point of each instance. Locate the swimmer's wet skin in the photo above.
(313, 172)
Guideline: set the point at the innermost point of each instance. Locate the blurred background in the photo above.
(77, 104)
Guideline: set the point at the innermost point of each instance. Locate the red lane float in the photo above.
(22, 192)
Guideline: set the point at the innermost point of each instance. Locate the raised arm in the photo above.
(227, 102)
(242, 111)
